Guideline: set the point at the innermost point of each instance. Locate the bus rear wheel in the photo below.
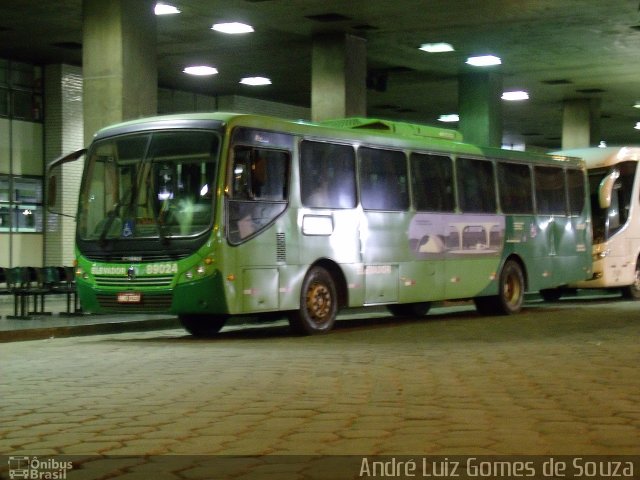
(202, 326)
(318, 304)
(510, 296)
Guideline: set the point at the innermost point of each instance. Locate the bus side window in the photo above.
(383, 179)
(327, 175)
(550, 191)
(476, 186)
(432, 183)
(516, 195)
(260, 174)
(576, 186)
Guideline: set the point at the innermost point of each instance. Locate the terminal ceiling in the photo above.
(554, 49)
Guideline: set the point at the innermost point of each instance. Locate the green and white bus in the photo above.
(208, 216)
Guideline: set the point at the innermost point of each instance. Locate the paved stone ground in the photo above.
(555, 380)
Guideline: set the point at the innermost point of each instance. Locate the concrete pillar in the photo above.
(338, 77)
(581, 123)
(118, 62)
(64, 127)
(480, 107)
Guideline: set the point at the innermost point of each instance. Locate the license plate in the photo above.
(129, 297)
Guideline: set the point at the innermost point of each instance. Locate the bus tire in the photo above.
(318, 304)
(202, 326)
(419, 309)
(632, 291)
(510, 296)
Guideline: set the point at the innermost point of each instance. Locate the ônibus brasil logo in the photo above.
(33, 468)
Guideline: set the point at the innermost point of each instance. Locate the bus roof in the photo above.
(398, 128)
(399, 134)
(402, 129)
(595, 157)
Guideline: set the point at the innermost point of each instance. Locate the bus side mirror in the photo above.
(605, 189)
(52, 179)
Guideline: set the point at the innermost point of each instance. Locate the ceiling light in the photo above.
(449, 118)
(201, 70)
(440, 47)
(515, 96)
(255, 81)
(484, 61)
(232, 28)
(165, 9)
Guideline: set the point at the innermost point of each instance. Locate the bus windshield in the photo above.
(149, 185)
(608, 221)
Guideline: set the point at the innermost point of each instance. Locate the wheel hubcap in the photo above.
(319, 302)
(512, 290)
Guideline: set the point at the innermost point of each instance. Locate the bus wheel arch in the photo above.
(512, 284)
(322, 294)
(338, 277)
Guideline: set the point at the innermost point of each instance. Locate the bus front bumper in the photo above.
(202, 296)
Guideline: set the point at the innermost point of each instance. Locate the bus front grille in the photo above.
(147, 304)
(138, 282)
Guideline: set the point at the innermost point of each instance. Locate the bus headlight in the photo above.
(80, 273)
(601, 255)
(199, 271)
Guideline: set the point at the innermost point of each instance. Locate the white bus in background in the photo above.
(614, 182)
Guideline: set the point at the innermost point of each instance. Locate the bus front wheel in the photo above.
(633, 291)
(318, 304)
(510, 296)
(202, 325)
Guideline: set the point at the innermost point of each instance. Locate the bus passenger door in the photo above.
(384, 246)
(384, 195)
(256, 220)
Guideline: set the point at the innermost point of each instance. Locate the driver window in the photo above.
(259, 190)
(260, 174)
